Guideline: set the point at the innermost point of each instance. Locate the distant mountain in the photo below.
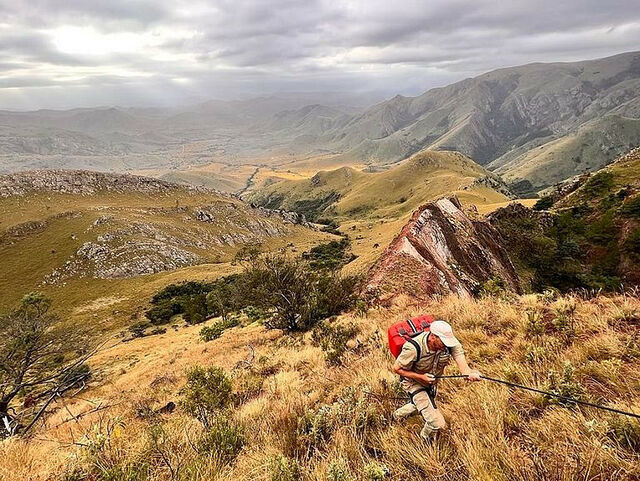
(499, 117)
(535, 125)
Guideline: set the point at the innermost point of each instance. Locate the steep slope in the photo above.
(590, 237)
(589, 148)
(348, 193)
(489, 115)
(441, 251)
(86, 235)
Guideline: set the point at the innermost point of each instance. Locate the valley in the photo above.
(203, 291)
(535, 125)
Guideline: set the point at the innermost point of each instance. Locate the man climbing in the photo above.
(423, 357)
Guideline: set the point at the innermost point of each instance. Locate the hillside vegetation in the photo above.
(347, 193)
(281, 411)
(97, 242)
(590, 236)
(592, 146)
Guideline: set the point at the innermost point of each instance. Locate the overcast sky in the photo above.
(67, 53)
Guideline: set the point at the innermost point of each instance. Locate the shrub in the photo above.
(494, 287)
(625, 432)
(374, 471)
(162, 313)
(339, 471)
(332, 339)
(631, 208)
(207, 391)
(138, 329)
(209, 333)
(316, 426)
(282, 468)
(223, 438)
(255, 314)
(631, 246)
(598, 183)
(544, 203)
(565, 385)
(331, 255)
(296, 295)
(602, 230)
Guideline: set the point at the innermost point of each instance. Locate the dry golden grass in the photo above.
(322, 418)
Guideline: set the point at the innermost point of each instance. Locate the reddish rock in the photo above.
(440, 251)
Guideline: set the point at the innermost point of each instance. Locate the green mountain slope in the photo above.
(589, 238)
(347, 193)
(589, 148)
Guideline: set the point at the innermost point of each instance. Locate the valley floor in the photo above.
(304, 419)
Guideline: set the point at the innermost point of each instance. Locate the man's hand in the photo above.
(426, 378)
(474, 376)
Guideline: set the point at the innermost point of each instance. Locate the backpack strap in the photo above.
(418, 350)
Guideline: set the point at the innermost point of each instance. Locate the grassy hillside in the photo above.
(296, 417)
(347, 193)
(99, 254)
(588, 149)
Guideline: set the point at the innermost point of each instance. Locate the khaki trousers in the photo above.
(423, 402)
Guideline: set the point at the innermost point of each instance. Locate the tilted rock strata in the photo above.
(440, 251)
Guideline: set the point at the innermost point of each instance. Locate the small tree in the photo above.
(39, 360)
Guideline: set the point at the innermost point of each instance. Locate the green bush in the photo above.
(331, 255)
(494, 287)
(223, 438)
(283, 468)
(601, 231)
(374, 471)
(138, 329)
(631, 245)
(255, 314)
(625, 432)
(207, 391)
(332, 339)
(563, 385)
(599, 183)
(162, 312)
(295, 295)
(288, 293)
(544, 203)
(338, 470)
(209, 333)
(631, 208)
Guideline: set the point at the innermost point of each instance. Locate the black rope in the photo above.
(526, 388)
(564, 398)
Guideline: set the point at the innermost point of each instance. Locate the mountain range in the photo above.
(534, 125)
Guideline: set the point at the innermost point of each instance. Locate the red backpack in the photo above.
(406, 330)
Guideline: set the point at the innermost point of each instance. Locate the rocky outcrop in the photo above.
(440, 251)
(84, 182)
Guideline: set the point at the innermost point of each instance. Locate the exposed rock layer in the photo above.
(440, 251)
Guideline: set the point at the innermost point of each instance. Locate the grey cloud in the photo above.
(243, 47)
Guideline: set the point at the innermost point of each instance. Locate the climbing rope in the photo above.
(546, 393)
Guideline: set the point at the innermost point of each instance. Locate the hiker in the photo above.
(424, 356)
